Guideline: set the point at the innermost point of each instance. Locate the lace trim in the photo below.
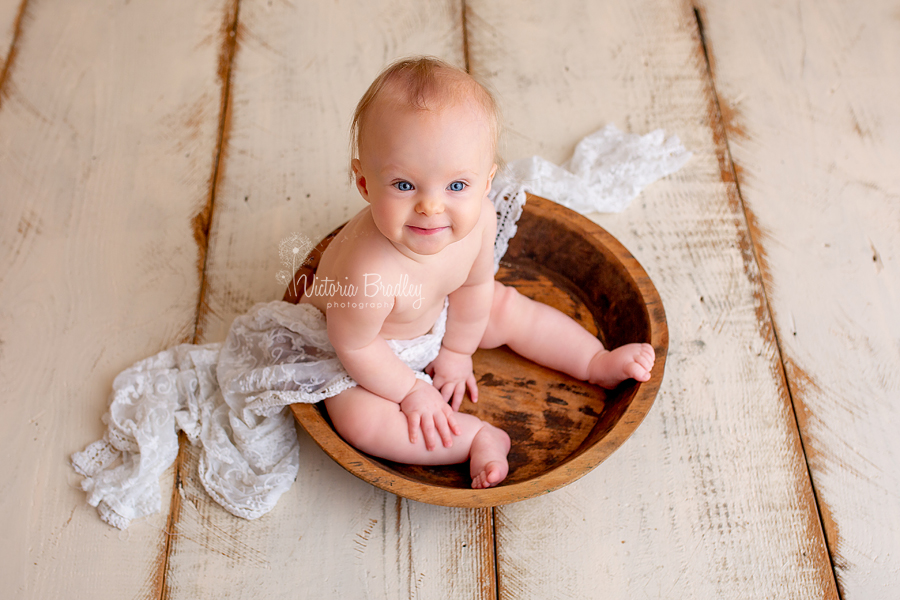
(509, 201)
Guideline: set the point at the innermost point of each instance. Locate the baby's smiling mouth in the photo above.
(426, 230)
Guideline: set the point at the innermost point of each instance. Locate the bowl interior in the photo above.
(560, 427)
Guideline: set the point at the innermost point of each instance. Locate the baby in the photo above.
(424, 140)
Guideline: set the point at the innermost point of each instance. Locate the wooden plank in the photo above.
(107, 131)
(809, 91)
(711, 497)
(298, 71)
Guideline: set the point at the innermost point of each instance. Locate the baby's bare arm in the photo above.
(467, 316)
(467, 319)
(354, 329)
(355, 335)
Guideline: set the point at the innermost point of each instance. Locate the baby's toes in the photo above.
(493, 474)
(636, 371)
(644, 361)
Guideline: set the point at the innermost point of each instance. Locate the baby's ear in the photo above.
(491, 179)
(359, 179)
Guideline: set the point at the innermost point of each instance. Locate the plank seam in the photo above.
(174, 513)
(203, 221)
(202, 224)
(765, 292)
(465, 34)
(496, 553)
(13, 49)
(493, 546)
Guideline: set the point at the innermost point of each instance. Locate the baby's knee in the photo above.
(506, 302)
(504, 295)
(352, 425)
(505, 318)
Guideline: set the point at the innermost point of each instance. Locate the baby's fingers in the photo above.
(452, 424)
(458, 392)
(446, 426)
(436, 379)
(413, 421)
(431, 433)
(473, 387)
(447, 389)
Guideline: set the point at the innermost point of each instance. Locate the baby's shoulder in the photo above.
(357, 249)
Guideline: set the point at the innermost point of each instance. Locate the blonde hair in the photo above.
(425, 83)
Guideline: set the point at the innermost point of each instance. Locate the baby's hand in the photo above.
(426, 410)
(452, 374)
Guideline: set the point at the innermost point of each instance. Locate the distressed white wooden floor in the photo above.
(154, 152)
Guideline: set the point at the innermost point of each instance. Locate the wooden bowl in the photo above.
(560, 428)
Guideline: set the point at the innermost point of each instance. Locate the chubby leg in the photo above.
(550, 338)
(378, 427)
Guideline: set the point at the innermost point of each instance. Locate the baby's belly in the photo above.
(405, 323)
(404, 326)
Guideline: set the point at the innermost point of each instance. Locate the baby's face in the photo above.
(425, 173)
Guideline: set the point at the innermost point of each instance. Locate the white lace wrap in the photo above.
(231, 398)
(606, 171)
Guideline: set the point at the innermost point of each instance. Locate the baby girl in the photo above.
(421, 254)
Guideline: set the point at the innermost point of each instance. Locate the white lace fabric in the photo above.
(231, 398)
(606, 171)
(150, 402)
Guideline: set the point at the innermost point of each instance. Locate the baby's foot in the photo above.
(487, 458)
(631, 361)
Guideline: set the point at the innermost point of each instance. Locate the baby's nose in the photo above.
(429, 204)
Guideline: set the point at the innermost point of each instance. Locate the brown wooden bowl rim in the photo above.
(379, 475)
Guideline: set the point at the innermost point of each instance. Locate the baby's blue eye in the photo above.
(457, 186)
(403, 186)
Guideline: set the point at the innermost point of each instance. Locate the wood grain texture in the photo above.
(111, 125)
(809, 91)
(11, 12)
(710, 498)
(298, 71)
(105, 139)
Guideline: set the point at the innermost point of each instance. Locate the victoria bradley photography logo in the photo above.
(293, 251)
